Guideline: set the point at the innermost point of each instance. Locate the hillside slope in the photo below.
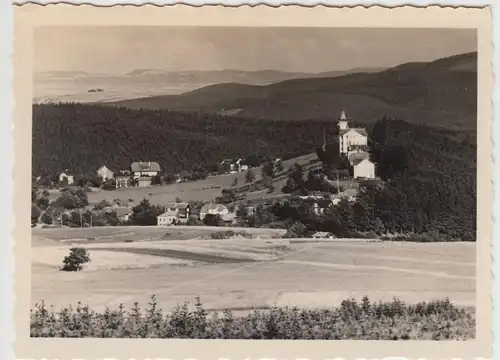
(442, 92)
(83, 137)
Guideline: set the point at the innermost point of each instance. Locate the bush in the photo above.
(194, 222)
(76, 259)
(297, 230)
(393, 320)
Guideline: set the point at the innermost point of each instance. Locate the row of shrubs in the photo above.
(393, 320)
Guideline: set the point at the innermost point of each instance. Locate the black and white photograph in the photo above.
(239, 182)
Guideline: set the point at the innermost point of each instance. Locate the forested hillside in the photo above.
(83, 137)
(430, 173)
(438, 93)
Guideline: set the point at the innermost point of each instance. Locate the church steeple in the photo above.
(343, 121)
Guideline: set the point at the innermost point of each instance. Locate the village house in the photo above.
(66, 176)
(168, 218)
(364, 169)
(350, 138)
(145, 169)
(122, 179)
(175, 213)
(213, 209)
(105, 173)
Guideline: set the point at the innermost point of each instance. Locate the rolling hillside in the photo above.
(73, 86)
(442, 92)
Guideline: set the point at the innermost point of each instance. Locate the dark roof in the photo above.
(358, 161)
(145, 166)
(359, 155)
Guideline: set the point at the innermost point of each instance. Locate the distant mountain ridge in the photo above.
(441, 92)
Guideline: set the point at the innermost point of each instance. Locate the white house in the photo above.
(145, 169)
(66, 176)
(168, 218)
(175, 213)
(350, 138)
(364, 169)
(213, 209)
(105, 173)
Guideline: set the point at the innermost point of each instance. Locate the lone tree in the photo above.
(75, 260)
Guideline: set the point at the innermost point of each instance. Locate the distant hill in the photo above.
(72, 86)
(442, 92)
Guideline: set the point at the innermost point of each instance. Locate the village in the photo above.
(352, 142)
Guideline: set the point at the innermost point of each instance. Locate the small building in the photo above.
(168, 218)
(213, 209)
(145, 169)
(122, 179)
(364, 169)
(66, 176)
(105, 173)
(144, 181)
(175, 213)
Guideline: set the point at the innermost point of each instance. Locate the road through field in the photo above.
(305, 274)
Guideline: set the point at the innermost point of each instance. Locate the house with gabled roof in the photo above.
(175, 213)
(145, 169)
(105, 173)
(363, 169)
(213, 209)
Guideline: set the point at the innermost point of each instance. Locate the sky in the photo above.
(120, 49)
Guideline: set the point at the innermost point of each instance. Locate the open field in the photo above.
(241, 274)
(202, 190)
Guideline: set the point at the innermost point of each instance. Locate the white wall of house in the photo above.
(144, 183)
(365, 169)
(351, 137)
(166, 220)
(105, 173)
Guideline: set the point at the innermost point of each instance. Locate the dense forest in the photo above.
(429, 188)
(81, 138)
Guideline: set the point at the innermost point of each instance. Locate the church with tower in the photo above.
(353, 143)
(351, 139)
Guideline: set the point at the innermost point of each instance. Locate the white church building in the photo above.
(353, 142)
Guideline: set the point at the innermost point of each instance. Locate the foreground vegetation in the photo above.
(394, 320)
